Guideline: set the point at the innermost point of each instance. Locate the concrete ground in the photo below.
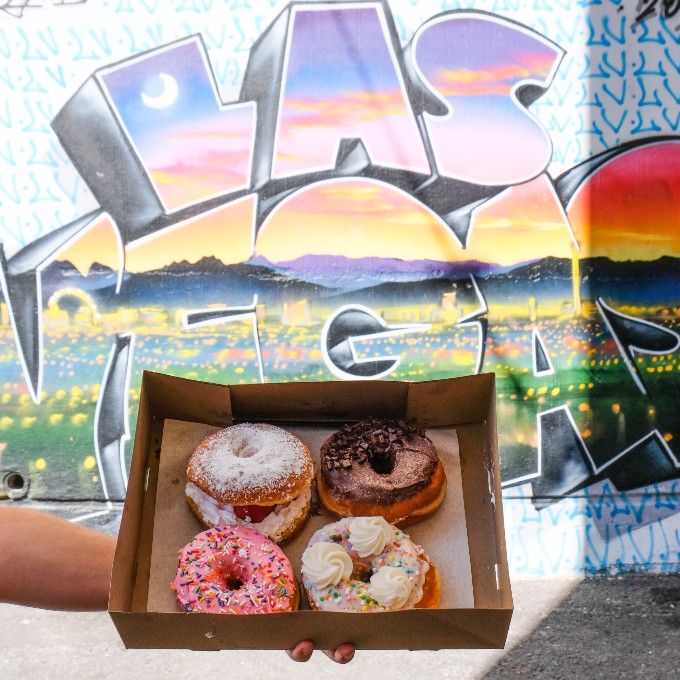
(606, 627)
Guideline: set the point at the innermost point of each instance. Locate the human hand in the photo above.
(303, 651)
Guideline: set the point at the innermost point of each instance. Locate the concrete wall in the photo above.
(283, 191)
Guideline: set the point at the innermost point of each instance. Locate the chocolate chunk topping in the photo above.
(373, 441)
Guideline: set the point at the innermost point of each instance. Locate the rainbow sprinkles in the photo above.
(234, 570)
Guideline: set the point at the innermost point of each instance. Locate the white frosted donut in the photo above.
(252, 474)
(364, 564)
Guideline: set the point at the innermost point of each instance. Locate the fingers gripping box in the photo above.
(464, 537)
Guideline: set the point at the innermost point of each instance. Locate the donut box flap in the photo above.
(463, 405)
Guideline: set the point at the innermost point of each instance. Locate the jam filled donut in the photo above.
(381, 467)
(364, 564)
(234, 570)
(251, 474)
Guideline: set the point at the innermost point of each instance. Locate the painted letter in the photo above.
(478, 63)
(192, 147)
(341, 79)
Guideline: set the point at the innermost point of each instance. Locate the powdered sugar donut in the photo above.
(251, 474)
(234, 570)
(364, 564)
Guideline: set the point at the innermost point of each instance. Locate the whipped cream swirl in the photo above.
(390, 587)
(369, 535)
(326, 564)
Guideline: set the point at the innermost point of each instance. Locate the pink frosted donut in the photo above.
(234, 570)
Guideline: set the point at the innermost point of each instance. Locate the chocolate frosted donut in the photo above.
(381, 467)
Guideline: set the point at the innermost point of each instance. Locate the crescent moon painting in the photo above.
(167, 95)
(192, 145)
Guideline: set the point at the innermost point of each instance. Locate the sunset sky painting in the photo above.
(99, 243)
(341, 79)
(193, 147)
(626, 210)
(365, 218)
(629, 209)
(225, 233)
(524, 223)
(356, 218)
(489, 137)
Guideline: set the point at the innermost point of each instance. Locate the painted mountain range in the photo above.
(337, 271)
(371, 280)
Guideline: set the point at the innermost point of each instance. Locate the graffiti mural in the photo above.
(348, 191)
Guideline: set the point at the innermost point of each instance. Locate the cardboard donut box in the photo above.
(464, 537)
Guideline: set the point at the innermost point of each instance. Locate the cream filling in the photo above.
(274, 525)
